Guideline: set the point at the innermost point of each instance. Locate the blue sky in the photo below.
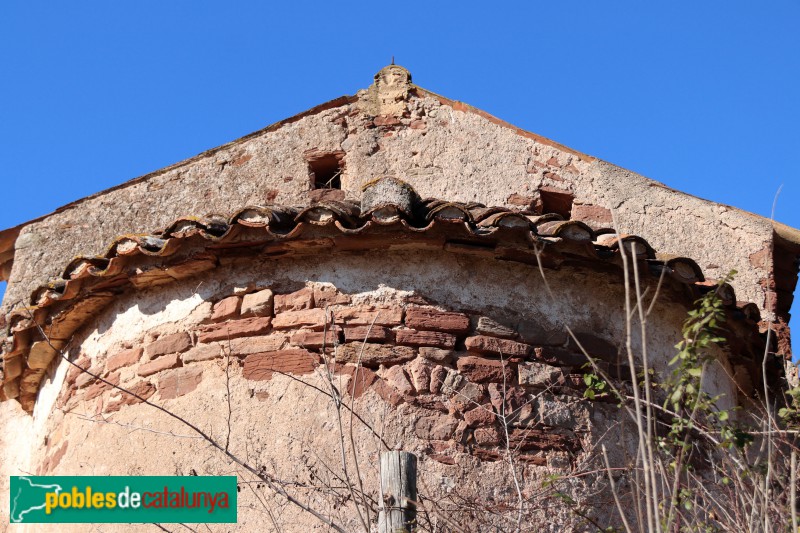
(702, 96)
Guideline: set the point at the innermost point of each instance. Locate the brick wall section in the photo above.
(470, 376)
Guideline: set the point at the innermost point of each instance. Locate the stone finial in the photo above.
(389, 92)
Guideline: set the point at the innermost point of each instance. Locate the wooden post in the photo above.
(398, 495)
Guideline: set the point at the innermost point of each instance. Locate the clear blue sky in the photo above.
(702, 96)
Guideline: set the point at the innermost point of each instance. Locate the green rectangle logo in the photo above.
(122, 499)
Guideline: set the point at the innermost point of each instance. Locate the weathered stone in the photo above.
(226, 308)
(420, 371)
(261, 366)
(424, 318)
(435, 427)
(74, 371)
(538, 375)
(261, 343)
(164, 362)
(481, 370)
(99, 387)
(233, 329)
(436, 355)
(143, 389)
(85, 378)
(373, 355)
(202, 352)
(436, 339)
(123, 358)
(360, 379)
(388, 393)
(466, 396)
(178, 382)
(325, 296)
(168, 344)
(487, 326)
(551, 411)
(507, 398)
(396, 377)
(438, 375)
(316, 339)
(501, 347)
(428, 401)
(368, 334)
(294, 301)
(487, 436)
(258, 303)
(480, 416)
(365, 315)
(309, 318)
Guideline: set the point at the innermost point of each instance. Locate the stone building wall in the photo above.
(443, 359)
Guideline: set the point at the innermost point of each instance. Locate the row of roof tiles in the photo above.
(193, 244)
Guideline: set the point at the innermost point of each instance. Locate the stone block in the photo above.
(481, 370)
(175, 383)
(233, 329)
(538, 375)
(316, 339)
(436, 339)
(424, 318)
(226, 308)
(308, 318)
(168, 344)
(294, 301)
(123, 358)
(262, 366)
(365, 315)
(436, 355)
(261, 343)
(487, 326)
(378, 334)
(258, 303)
(164, 362)
(500, 347)
(202, 352)
(373, 355)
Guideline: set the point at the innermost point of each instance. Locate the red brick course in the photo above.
(309, 318)
(295, 301)
(480, 370)
(423, 318)
(162, 363)
(226, 308)
(437, 339)
(173, 343)
(494, 346)
(179, 382)
(261, 366)
(245, 327)
(123, 359)
(365, 333)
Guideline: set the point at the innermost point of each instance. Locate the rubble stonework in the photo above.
(442, 292)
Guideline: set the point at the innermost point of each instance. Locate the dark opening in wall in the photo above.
(556, 201)
(325, 169)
